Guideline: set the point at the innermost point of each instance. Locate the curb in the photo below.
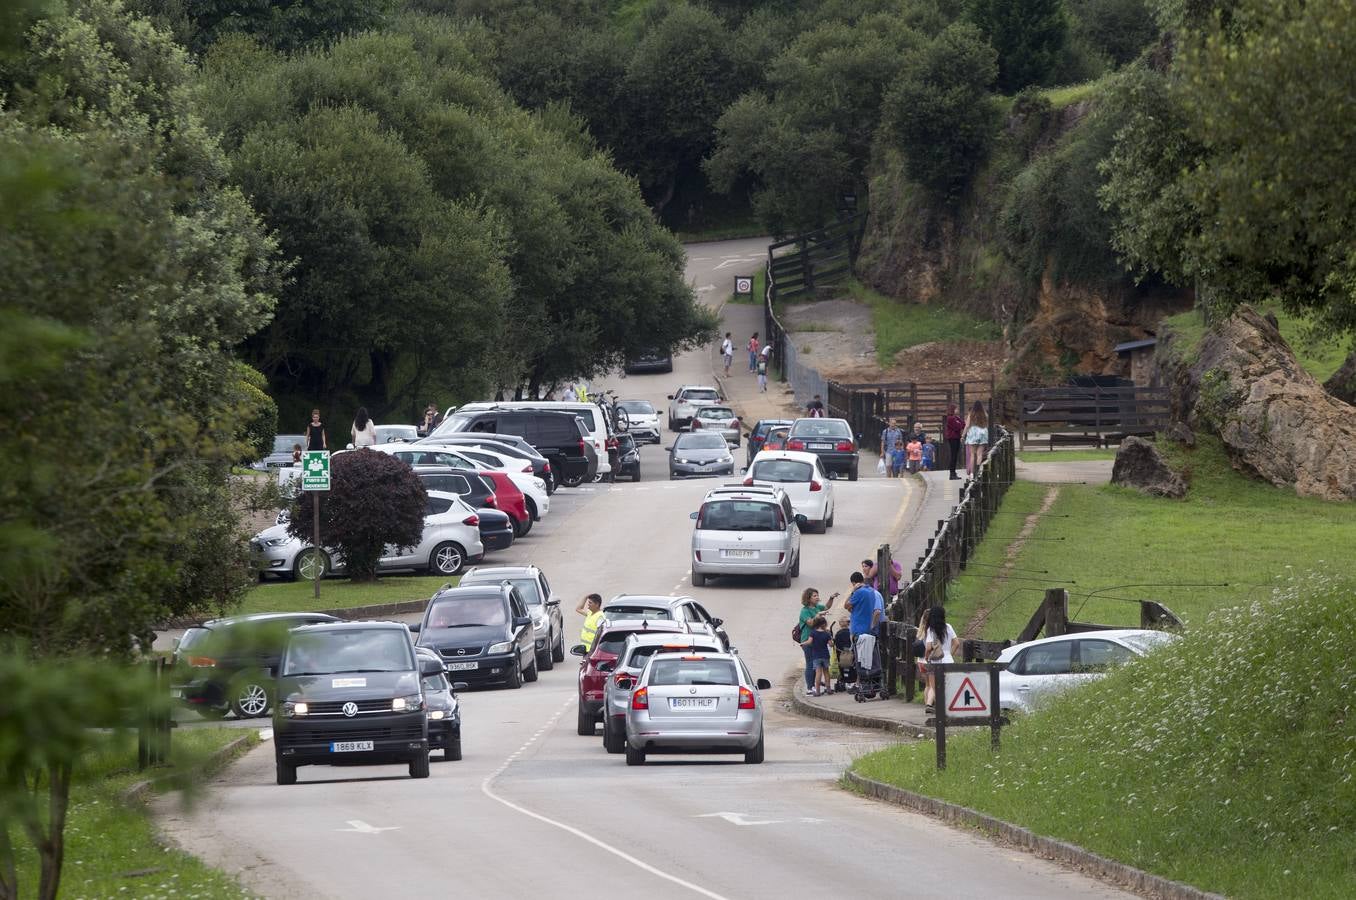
(1092, 864)
(139, 792)
(814, 711)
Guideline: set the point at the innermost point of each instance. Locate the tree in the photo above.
(281, 24)
(1029, 36)
(375, 501)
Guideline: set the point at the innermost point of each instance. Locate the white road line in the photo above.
(488, 791)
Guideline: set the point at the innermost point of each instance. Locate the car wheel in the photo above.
(447, 559)
(558, 651)
(453, 749)
(520, 529)
(532, 510)
(636, 475)
(821, 526)
(419, 765)
(755, 755)
(514, 679)
(544, 661)
(571, 480)
(614, 741)
(584, 723)
(852, 473)
(530, 674)
(828, 523)
(311, 564)
(794, 571)
(634, 757)
(698, 579)
(249, 697)
(784, 580)
(286, 772)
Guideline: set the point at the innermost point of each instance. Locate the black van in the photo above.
(484, 634)
(349, 694)
(559, 436)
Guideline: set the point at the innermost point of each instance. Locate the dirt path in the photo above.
(975, 625)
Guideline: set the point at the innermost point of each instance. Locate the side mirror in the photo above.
(763, 684)
(552, 602)
(670, 396)
(669, 448)
(692, 516)
(414, 627)
(607, 665)
(521, 621)
(578, 650)
(801, 520)
(431, 666)
(459, 685)
(717, 621)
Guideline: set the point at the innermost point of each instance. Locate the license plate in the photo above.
(821, 446)
(350, 746)
(739, 554)
(462, 666)
(692, 703)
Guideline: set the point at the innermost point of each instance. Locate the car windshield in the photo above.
(357, 650)
(453, 424)
(467, 612)
(739, 515)
(435, 683)
(782, 470)
(637, 407)
(715, 412)
(625, 441)
(388, 433)
(701, 394)
(283, 443)
(833, 428)
(191, 637)
(613, 641)
(699, 442)
(624, 611)
(528, 589)
(1144, 642)
(693, 671)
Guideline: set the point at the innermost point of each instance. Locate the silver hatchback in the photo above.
(622, 675)
(695, 703)
(746, 531)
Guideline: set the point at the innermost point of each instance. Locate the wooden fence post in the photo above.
(1056, 612)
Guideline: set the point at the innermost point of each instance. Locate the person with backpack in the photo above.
(817, 650)
(810, 608)
(727, 353)
(940, 646)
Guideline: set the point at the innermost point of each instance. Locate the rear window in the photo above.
(692, 671)
(613, 642)
(699, 442)
(821, 428)
(451, 484)
(437, 506)
(467, 612)
(1141, 642)
(361, 650)
(640, 407)
(283, 443)
(784, 471)
(715, 412)
(740, 515)
(637, 612)
(701, 394)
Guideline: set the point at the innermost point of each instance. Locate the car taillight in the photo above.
(756, 439)
(582, 448)
(844, 447)
(780, 557)
(612, 443)
(546, 467)
(795, 445)
(734, 423)
(748, 480)
(816, 486)
(201, 662)
(746, 699)
(696, 423)
(641, 699)
(698, 552)
(492, 501)
(472, 519)
(623, 680)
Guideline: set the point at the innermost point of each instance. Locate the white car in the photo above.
(451, 538)
(642, 420)
(1039, 669)
(520, 473)
(685, 402)
(803, 478)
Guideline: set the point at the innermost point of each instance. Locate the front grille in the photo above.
(460, 652)
(336, 707)
(411, 730)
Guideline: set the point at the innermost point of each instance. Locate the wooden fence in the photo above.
(1100, 416)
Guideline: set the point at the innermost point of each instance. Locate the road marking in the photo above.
(741, 819)
(358, 826)
(707, 287)
(487, 789)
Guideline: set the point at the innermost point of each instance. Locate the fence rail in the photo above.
(1091, 415)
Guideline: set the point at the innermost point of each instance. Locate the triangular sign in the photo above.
(966, 699)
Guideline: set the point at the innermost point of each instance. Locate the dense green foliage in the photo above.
(1029, 37)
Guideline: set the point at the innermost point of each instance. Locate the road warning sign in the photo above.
(966, 699)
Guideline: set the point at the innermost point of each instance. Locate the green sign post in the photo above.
(315, 477)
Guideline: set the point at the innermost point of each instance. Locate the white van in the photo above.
(594, 419)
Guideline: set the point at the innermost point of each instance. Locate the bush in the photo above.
(258, 414)
(375, 501)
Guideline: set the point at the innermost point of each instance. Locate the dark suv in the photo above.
(829, 439)
(484, 633)
(349, 694)
(231, 663)
(506, 445)
(559, 436)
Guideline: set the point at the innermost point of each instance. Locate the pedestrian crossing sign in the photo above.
(966, 699)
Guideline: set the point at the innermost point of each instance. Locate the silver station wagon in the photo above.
(746, 531)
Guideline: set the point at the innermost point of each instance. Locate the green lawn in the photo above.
(339, 593)
(1039, 456)
(111, 848)
(759, 289)
(1229, 530)
(900, 324)
(1320, 358)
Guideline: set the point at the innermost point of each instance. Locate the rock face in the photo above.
(1275, 420)
(1342, 384)
(1138, 465)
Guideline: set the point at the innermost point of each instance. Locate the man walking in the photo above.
(889, 436)
(727, 353)
(753, 353)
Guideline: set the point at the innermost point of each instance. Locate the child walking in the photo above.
(929, 455)
(897, 457)
(915, 449)
(818, 644)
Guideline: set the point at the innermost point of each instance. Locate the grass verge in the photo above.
(1319, 357)
(756, 297)
(111, 848)
(1230, 530)
(899, 324)
(336, 593)
(1040, 456)
(1224, 761)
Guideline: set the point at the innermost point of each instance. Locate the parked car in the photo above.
(542, 604)
(720, 419)
(518, 493)
(394, 434)
(519, 471)
(473, 488)
(653, 360)
(695, 703)
(686, 400)
(608, 643)
(758, 434)
(508, 445)
(642, 420)
(803, 478)
(628, 457)
(700, 453)
(597, 427)
(451, 538)
(654, 607)
(440, 702)
(281, 457)
(230, 664)
(829, 439)
(1040, 669)
(746, 531)
(483, 632)
(497, 529)
(777, 438)
(623, 673)
(349, 694)
(557, 434)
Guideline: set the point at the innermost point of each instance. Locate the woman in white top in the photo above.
(940, 645)
(976, 438)
(363, 431)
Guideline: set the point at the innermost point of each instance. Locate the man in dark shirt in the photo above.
(815, 408)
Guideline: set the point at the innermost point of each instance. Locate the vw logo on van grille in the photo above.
(350, 709)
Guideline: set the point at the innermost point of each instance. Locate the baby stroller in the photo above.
(847, 671)
(870, 680)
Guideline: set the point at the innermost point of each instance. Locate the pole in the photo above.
(995, 716)
(315, 539)
(939, 715)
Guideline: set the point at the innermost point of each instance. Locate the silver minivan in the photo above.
(746, 531)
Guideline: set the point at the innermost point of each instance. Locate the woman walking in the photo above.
(315, 433)
(363, 431)
(940, 645)
(810, 609)
(976, 438)
(953, 429)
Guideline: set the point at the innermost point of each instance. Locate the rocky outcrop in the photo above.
(1342, 384)
(1139, 466)
(1276, 421)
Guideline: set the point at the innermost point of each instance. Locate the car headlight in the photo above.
(291, 709)
(274, 542)
(681, 462)
(412, 703)
(501, 647)
(436, 714)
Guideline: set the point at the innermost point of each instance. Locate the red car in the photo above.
(509, 498)
(602, 656)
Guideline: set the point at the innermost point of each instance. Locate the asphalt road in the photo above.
(534, 808)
